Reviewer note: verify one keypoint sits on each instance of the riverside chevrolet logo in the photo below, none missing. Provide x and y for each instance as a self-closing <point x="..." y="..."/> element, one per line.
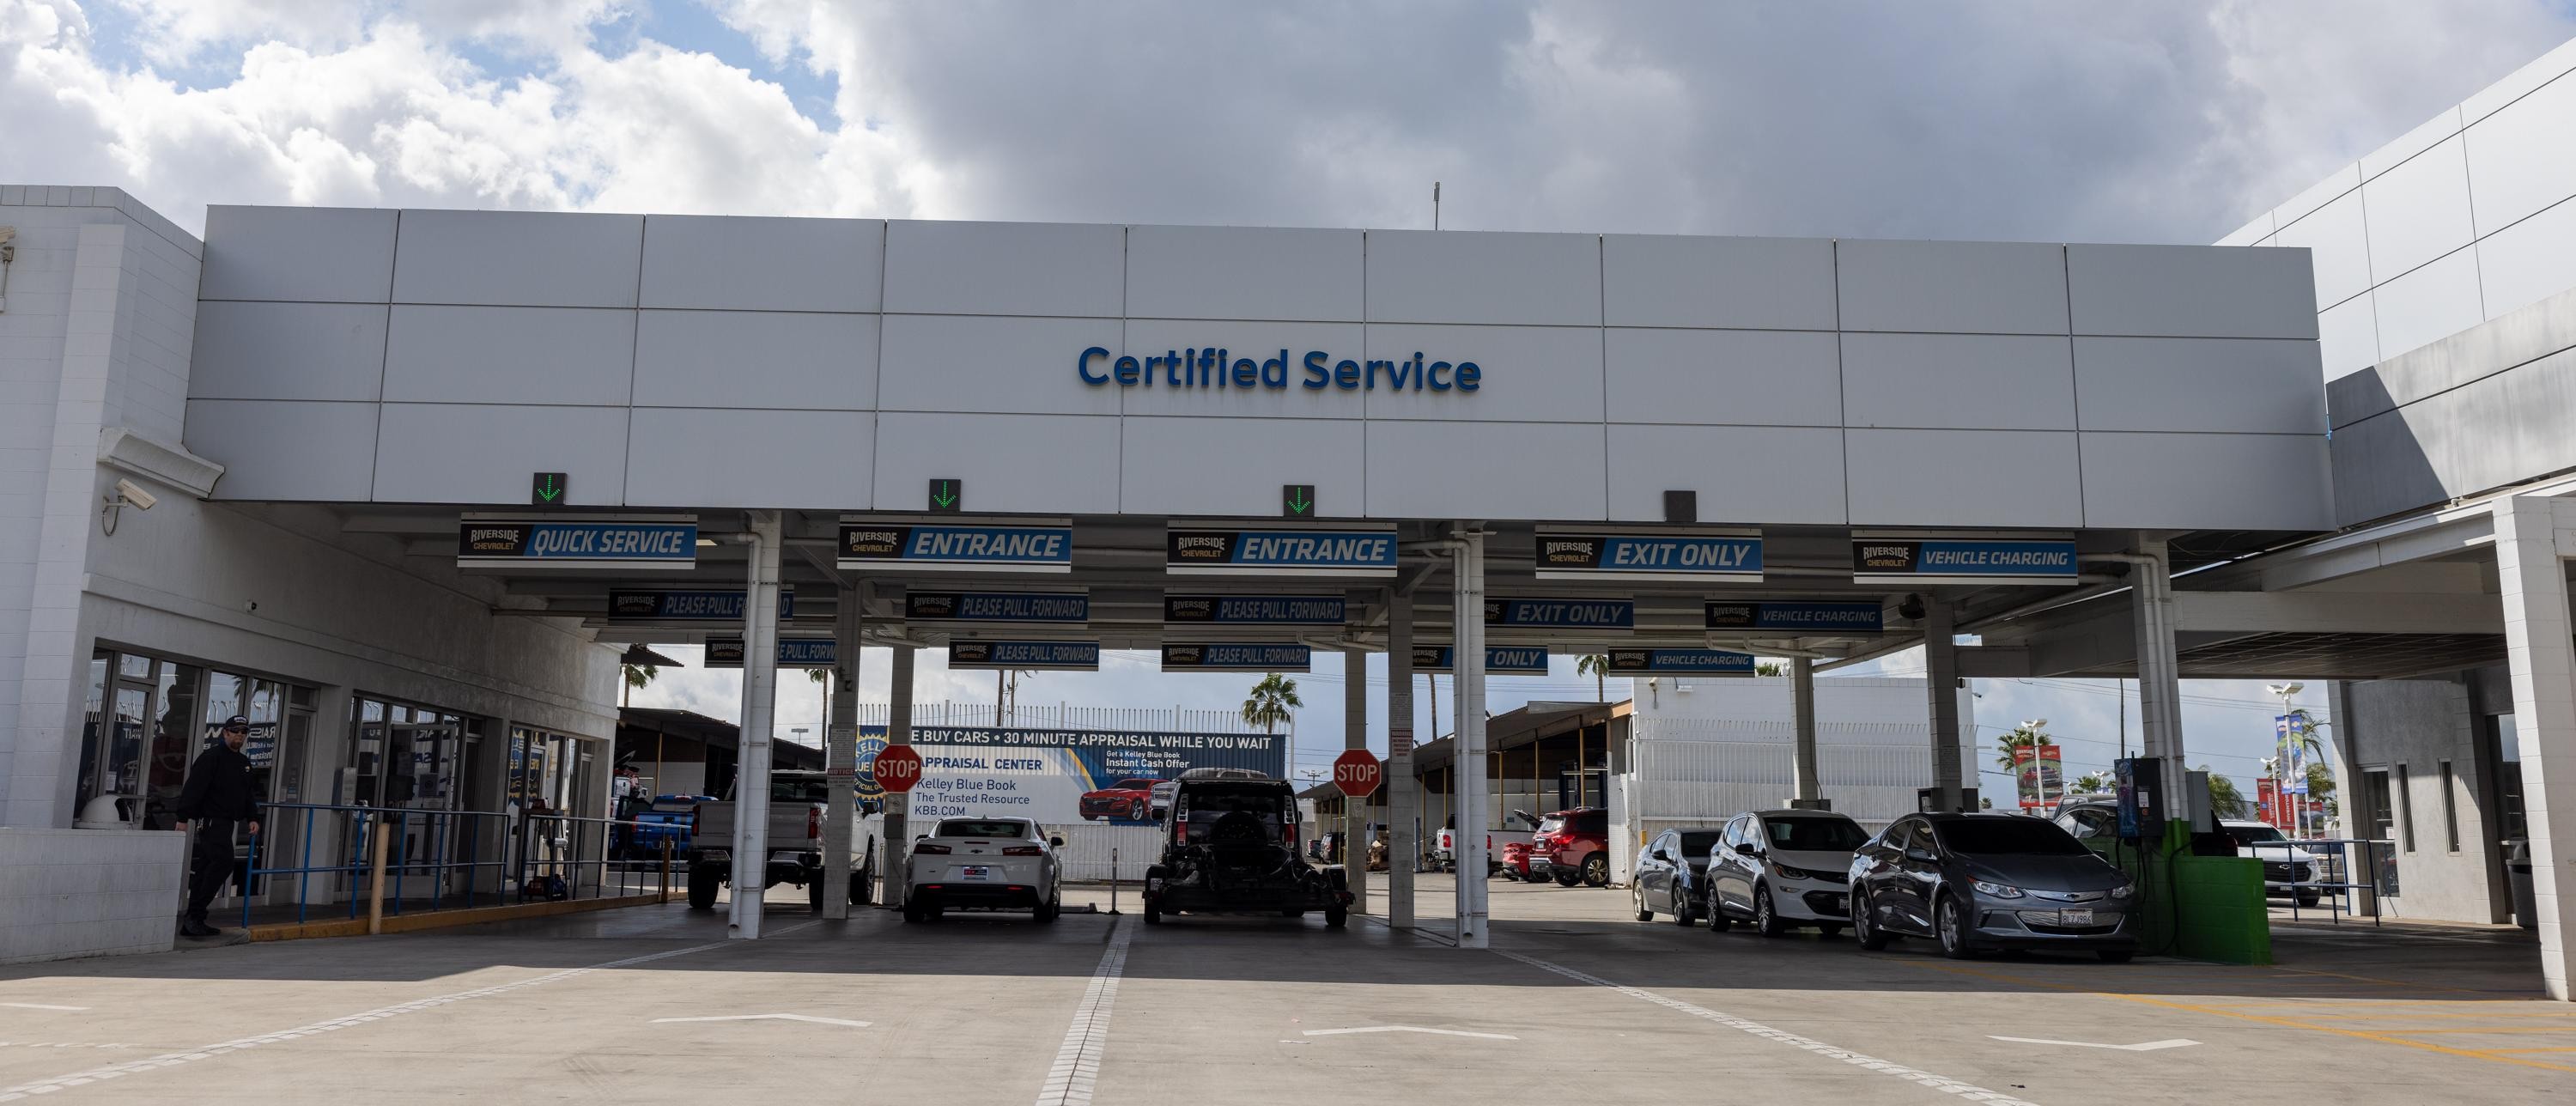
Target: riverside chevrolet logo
<point x="1218" y="369"/>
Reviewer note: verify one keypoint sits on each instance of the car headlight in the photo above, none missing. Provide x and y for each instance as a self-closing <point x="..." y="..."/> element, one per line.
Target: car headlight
<point x="1786" y="872"/>
<point x="2123" y="891"/>
<point x="1998" y="890"/>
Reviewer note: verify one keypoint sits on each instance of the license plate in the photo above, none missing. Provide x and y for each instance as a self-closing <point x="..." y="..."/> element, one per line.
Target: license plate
<point x="979" y="872"/>
<point x="2075" y="917"/>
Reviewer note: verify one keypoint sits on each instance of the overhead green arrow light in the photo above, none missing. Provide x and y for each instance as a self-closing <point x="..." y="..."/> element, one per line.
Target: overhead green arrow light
<point x="547" y="489"/>
<point x="948" y="496"/>
<point x="1297" y="500"/>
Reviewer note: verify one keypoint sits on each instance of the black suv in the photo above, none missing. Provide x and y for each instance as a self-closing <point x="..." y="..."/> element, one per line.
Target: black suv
<point x="1230" y="847"/>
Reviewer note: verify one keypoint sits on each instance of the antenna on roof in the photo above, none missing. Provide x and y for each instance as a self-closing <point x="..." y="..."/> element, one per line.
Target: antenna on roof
<point x="1435" y="205"/>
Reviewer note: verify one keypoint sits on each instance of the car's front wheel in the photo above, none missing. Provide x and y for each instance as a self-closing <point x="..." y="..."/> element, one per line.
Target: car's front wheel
<point x="1865" y="931"/>
<point x="1766" y="919"/>
<point x="1682" y="908"/>
<point x="1950" y="921"/>
<point x="1644" y="913"/>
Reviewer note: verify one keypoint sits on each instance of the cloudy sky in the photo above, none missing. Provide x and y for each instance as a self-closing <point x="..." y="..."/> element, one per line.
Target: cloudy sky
<point x="2170" y="121"/>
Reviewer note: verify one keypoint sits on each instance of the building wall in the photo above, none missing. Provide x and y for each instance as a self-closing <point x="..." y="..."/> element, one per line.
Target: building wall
<point x="68" y="893"/>
<point x="2471" y="413"/>
<point x="442" y="356"/>
<point x="2416" y="725"/>
<point x="2459" y="221"/>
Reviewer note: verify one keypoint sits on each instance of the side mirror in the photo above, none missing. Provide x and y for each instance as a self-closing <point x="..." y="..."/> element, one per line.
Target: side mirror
<point x="1058" y="842"/>
<point x="1661" y="855"/>
<point x="1744" y="847"/>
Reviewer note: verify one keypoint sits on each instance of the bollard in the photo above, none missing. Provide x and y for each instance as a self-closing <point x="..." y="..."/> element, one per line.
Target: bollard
<point x="1113" y="881"/>
<point x="666" y="869"/>
<point x="376" y="883"/>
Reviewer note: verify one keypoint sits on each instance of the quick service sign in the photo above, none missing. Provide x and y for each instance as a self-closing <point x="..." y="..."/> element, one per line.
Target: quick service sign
<point x="1680" y="662"/>
<point x="997" y="606"/>
<point x="1592" y="555"/>
<point x="1255" y="610"/>
<point x="1230" y="656"/>
<point x="1618" y="615"/>
<point x="1799" y="617"/>
<point x="1056" y="777"/>
<point x="1920" y="559"/>
<point x="688" y="606"/>
<point x="1512" y="660"/>
<point x="793" y="652"/>
<point x="1031" y="656"/>
<point x="909" y="546"/>
<point x="490" y="541"/>
<point x="1280" y="552"/>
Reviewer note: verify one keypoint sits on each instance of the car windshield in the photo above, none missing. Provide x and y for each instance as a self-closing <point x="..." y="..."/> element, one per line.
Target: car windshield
<point x="799" y="789"/>
<point x="1698" y="844"/>
<point x="1817" y="835"/>
<point x="1551" y="824"/>
<point x="1207" y="806"/>
<point x="2008" y="837"/>
<point x="2249" y="835"/>
<point x="973" y="827"/>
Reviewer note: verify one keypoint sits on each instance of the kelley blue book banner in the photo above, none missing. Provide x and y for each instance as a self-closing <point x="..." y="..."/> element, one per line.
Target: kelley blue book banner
<point x="1061" y="776"/>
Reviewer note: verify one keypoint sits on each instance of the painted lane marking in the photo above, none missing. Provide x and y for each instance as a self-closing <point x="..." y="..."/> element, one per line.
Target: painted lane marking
<point x="174" y="1059"/>
<point x="1968" y="1091"/>
<point x="1076" y="1071"/>
<point x="768" y="1017"/>
<point x="2151" y="1046"/>
<point x="41" y="1006"/>
<point x="61" y="1044"/>
<point x="1409" y="1029"/>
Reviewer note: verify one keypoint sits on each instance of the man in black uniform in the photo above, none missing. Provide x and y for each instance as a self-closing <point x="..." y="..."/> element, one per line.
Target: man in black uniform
<point x="216" y="796"/>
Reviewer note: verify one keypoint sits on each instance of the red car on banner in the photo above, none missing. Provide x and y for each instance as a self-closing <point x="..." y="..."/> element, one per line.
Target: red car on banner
<point x="1128" y="800"/>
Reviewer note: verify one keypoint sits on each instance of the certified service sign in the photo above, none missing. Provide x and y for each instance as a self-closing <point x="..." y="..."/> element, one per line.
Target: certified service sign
<point x="625" y="544"/>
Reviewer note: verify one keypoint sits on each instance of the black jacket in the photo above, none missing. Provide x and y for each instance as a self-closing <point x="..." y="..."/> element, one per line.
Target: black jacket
<point x="218" y="787"/>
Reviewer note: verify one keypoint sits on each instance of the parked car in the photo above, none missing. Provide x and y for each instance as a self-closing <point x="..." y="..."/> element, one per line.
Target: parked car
<point x="1158" y="799"/>
<point x="1230" y="847"/>
<point x="1129" y="799"/>
<point x="1518" y="826"/>
<point x="1669" y="873"/>
<point x="983" y="864"/>
<point x="2288" y="870"/>
<point x="1514" y="861"/>
<point x="1774" y="869"/>
<point x="1977" y="882"/>
<point x="650" y="822"/>
<point x="795" y="842"/>
<point x="1573" y="846"/>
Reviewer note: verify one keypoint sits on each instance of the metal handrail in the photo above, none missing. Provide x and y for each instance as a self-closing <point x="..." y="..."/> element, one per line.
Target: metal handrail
<point x="2377" y="857"/>
<point x="438" y="830"/>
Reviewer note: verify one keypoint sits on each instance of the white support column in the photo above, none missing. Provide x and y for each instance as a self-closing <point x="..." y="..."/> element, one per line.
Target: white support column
<point x="898" y="809"/>
<point x="2159" y="671"/>
<point x="1468" y="571"/>
<point x="1404" y="797"/>
<point x="759" y="701"/>
<point x="841" y="756"/>
<point x="2541" y="655"/>
<point x="1802" y="699"/>
<point x="1355" y="811"/>
<point x="1941" y="684"/>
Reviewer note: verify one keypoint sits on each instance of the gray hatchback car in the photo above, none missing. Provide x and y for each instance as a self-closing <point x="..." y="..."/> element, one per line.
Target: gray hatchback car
<point x="1979" y="882"/>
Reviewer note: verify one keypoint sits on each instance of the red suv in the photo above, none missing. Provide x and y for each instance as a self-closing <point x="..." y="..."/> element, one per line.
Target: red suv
<point x="1572" y="845"/>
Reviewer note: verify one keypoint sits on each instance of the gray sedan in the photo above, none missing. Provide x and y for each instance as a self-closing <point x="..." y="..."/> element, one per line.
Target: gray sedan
<point x="1978" y="882"/>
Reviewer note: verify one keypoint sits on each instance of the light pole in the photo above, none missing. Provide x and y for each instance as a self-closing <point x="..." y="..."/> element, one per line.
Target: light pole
<point x="2280" y="775"/>
<point x="2038" y="770"/>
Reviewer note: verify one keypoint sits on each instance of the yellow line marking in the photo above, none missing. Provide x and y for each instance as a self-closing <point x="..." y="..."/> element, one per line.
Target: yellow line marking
<point x="2264" y="1019"/>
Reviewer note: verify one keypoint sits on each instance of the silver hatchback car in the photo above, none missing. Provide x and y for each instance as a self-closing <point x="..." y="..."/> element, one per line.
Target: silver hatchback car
<point x="1978" y="882"/>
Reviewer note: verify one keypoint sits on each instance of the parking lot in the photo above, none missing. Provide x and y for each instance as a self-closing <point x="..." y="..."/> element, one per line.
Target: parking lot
<point x="650" y="1004"/>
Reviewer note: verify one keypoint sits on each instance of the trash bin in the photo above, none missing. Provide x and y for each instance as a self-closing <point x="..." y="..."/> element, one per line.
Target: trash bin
<point x="2517" y="875"/>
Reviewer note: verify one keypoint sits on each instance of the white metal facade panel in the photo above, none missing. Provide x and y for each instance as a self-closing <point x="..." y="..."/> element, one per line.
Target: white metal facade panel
<point x="2205" y="481"/>
<point x="2429" y="304"/>
<point x="483" y="453"/>
<point x="2419" y="210"/>
<point x="326" y="255"/>
<point x="2425" y="136"/>
<point x="1529" y="373"/>
<point x="2520" y="160"/>
<point x="1544" y="471"/>
<point x="989" y="364"/>
<point x="1244" y="273"/>
<point x="783" y="359"/>
<point x="1958" y="381"/>
<point x="1004" y="268"/>
<point x="2165" y="384"/>
<point x="1735" y="377"/>
<point x="510" y="355"/>
<point x="1421" y="276"/>
<point x="1028" y="464"/>
<point x="1963" y="478"/>
<point x="1754" y="283"/>
<point x="518" y="258"/>
<point x="762" y="264"/>
<point x="2520" y="265"/>
<point x="812" y="460"/>
<point x="2189" y="291"/>
<point x="2317" y="195"/>
<point x="1257" y="341"/>
<point x="316" y="451"/>
<point x="1236" y="466"/>
<point x="2348" y="335"/>
<point x="1953" y="287"/>
<point x="293" y="351"/>
<point x="1744" y="474"/>
<point x="2337" y="246"/>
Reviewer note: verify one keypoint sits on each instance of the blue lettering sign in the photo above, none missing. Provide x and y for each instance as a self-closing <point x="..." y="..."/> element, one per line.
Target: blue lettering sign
<point x="1980" y="560"/>
<point x="866" y="545"/>
<point x="1058" y="656"/>
<point x="1256" y="610"/>
<point x="1229" y="656"/>
<point x="1214" y="368"/>
<point x="1281" y="552"/>
<point x="1524" y="660"/>
<point x="1843" y="618"/>
<point x="1575" y="555"/>
<point x="1685" y="662"/>
<point x="1575" y="614"/>
<point x="484" y="542"/>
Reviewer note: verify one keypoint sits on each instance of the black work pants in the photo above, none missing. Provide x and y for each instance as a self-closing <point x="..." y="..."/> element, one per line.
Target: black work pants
<point x="210" y="863"/>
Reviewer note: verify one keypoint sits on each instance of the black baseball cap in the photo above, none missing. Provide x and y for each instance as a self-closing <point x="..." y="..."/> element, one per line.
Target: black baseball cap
<point x="237" y="722"/>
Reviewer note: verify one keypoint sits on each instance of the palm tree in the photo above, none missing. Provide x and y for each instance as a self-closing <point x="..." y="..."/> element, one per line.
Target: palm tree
<point x="1769" y="668"/>
<point x="1272" y="700"/>
<point x="1597" y="666"/>
<point x="638" y="676"/>
<point x="2092" y="783"/>
<point x="2224" y="799"/>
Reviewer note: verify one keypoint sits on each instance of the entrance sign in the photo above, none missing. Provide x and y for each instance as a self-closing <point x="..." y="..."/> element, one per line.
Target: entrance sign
<point x="1357" y="773"/>
<point x="1561" y="614"/>
<point x="1920" y="559"/>
<point x="1681" y="662"/>
<point x="1058" y="777"/>
<point x="793" y="652"/>
<point x="1213" y="550"/>
<point x="1509" y="660"/>
<point x="1034" y="656"/>
<point x="1594" y="554"/>
<point x="688" y="606"/>
<point x="1812" y="618"/>
<point x="897" y="768"/>
<point x="1000" y="547"/>
<point x="997" y="606"/>
<point x="1229" y="656"/>
<point x="501" y="541"/>
<point x="1256" y="610"/>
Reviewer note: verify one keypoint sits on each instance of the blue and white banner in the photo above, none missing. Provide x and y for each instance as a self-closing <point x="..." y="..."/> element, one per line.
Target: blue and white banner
<point x="997" y="606"/>
<point x="1256" y="610"/>
<point x="626" y="544"/>
<point x="2292" y="733"/>
<point x="1800" y="617"/>
<point x="1561" y="614"/>
<point x="1915" y="559"/>
<point x="1232" y="656"/>
<point x="1345" y="552"/>
<point x="688" y="606"/>
<point x="1680" y="662"/>
<point x="1593" y="554"/>
<point x="1034" y="656"/>
<point x="793" y="652"/>
<point x="904" y="546"/>
<point x="1510" y="660"/>
<point x="1056" y="777"/>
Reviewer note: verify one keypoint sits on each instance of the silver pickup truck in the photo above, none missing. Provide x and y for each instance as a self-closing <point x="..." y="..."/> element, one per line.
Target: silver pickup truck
<point x="796" y="805"/>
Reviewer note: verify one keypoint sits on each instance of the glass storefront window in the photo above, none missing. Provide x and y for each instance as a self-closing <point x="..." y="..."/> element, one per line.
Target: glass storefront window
<point x="93" y="734"/>
<point x="132" y="667"/>
<point x="147" y="718"/>
<point x="176" y="737"/>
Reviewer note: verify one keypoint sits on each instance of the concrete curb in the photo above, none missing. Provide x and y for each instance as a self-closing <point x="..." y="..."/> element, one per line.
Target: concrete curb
<point x="446" y="919"/>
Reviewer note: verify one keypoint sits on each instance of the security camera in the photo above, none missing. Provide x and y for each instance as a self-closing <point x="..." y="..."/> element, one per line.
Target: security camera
<point x="8" y="235"/>
<point x="133" y="495"/>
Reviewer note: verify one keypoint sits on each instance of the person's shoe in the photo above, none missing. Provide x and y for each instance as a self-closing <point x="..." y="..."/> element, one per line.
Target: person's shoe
<point x="194" y="928"/>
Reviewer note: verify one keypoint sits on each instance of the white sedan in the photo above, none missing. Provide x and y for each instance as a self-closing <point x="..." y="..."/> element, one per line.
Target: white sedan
<point x="983" y="864"/>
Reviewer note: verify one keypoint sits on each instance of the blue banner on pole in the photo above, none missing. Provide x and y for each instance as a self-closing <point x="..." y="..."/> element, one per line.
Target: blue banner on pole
<point x="1060" y="776"/>
<point x="1813" y="618"/>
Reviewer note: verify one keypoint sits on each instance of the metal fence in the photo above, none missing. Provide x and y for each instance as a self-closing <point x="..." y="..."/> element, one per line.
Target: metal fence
<point x="398" y="860"/>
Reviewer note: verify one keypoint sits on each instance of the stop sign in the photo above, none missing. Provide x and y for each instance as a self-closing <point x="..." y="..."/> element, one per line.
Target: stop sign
<point x="1356" y="773"/>
<point x="898" y="768"/>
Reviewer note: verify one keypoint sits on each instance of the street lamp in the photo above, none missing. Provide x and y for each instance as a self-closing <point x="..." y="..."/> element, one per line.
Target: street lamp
<point x="2038" y="771"/>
